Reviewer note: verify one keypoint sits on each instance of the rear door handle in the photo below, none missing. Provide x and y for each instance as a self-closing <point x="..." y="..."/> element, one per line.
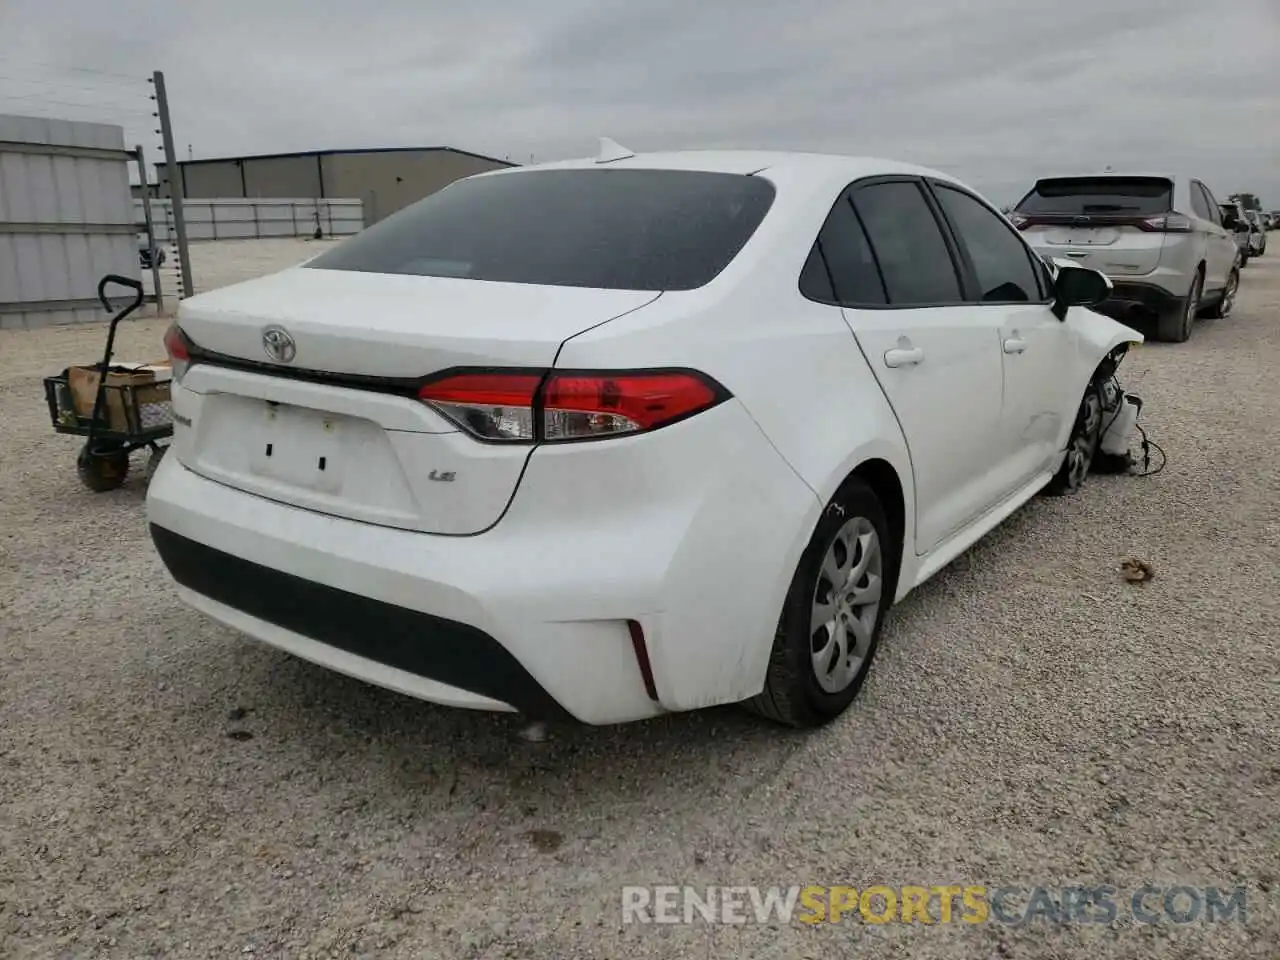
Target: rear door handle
<point x="903" y="356"/>
<point x="1015" y="345"/>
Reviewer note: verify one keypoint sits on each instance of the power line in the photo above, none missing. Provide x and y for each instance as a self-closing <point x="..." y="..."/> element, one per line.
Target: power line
<point x="88" y="70"/>
<point x="109" y="107"/>
<point x="117" y="104"/>
<point x="113" y="87"/>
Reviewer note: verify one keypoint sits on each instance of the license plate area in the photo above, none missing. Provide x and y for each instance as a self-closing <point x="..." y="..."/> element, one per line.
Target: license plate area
<point x="300" y="447"/>
<point x="1084" y="236"/>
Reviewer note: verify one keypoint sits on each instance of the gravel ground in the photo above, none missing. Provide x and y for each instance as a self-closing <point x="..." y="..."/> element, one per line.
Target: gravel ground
<point x="168" y="788"/>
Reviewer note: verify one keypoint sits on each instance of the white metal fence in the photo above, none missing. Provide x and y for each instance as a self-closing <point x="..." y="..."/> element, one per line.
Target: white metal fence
<point x="249" y="219"/>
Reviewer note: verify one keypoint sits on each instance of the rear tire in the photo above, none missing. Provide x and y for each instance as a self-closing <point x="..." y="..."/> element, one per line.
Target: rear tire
<point x="830" y="623"/>
<point x="1223" y="307"/>
<point x="1176" y="327"/>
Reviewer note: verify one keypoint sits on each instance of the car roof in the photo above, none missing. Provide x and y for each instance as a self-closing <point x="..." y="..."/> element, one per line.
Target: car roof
<point x="820" y="165"/>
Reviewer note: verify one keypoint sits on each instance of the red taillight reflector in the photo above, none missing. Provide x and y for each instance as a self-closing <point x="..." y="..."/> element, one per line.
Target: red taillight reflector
<point x="520" y="406"/>
<point x="493" y="406"/>
<point x="176" y="344"/>
<point x="178" y="347"/>
<point x="621" y="403"/>
<point x="484" y="389"/>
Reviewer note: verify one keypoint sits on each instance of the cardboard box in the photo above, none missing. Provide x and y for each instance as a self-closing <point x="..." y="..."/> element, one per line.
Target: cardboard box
<point x="150" y="392"/>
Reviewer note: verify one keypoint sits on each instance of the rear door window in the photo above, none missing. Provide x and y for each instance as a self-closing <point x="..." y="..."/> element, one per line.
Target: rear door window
<point x="612" y="229"/>
<point x="908" y="245"/>
<point x="1100" y="196"/>
<point x="841" y="267"/>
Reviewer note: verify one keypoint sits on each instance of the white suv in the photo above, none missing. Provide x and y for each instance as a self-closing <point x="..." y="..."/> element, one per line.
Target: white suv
<point x="1159" y="238"/>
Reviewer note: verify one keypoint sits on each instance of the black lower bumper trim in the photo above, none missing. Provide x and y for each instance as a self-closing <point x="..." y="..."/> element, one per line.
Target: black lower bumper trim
<point x="443" y="650"/>
<point x="1144" y="297"/>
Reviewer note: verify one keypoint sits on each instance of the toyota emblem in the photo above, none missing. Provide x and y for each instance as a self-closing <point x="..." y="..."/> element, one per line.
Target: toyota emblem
<point x="279" y="345"/>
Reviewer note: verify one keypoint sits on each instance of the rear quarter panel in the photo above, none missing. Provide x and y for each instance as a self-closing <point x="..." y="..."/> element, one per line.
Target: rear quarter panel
<point x="793" y="364"/>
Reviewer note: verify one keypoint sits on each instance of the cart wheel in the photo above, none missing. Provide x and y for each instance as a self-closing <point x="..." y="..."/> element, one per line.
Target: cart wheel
<point x="153" y="461"/>
<point x="104" y="471"/>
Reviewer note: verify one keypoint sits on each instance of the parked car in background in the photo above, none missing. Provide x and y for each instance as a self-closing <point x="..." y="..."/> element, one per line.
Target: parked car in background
<point x="1257" y="233"/>
<point x="1159" y="238"/>
<point x="605" y="439"/>
<point x="147" y="254"/>
<point x="1275" y="220"/>
<point x="1233" y="219"/>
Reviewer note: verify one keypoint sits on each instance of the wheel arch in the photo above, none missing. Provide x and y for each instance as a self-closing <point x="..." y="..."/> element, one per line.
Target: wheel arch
<point x="884" y="481"/>
<point x="888" y="475"/>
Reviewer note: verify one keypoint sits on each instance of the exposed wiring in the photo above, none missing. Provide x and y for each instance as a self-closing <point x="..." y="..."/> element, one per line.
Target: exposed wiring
<point x="1119" y="405"/>
<point x="1147" y="446"/>
<point x="1145" y="470"/>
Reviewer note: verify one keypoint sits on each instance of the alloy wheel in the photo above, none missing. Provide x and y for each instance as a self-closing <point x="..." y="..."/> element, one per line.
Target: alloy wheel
<point x="1084" y="439"/>
<point x="846" y="604"/>
<point x="1229" y="295"/>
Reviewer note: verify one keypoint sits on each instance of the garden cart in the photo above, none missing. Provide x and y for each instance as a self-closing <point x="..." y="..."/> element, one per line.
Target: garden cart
<point x="117" y="409"/>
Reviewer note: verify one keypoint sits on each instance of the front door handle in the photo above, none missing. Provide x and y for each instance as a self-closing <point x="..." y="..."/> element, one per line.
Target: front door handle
<point x="1015" y="345"/>
<point x="903" y="356"/>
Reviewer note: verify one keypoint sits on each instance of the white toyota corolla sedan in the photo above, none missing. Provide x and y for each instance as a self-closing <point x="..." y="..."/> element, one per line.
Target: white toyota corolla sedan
<point x="609" y="438"/>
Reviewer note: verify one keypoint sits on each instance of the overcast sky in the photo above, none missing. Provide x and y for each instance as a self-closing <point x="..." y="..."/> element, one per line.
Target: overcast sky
<point x="993" y="91"/>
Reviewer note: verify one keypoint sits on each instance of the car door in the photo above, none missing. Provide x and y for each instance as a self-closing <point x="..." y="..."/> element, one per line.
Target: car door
<point x="1011" y="293"/>
<point x="936" y="359"/>
<point x="1220" y="245"/>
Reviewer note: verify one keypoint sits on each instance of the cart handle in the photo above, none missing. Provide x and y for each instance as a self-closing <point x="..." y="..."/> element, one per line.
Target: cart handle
<point x="134" y="285"/>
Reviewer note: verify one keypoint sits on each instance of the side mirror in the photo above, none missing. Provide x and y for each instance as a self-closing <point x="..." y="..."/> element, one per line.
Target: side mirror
<point x="1077" y="286"/>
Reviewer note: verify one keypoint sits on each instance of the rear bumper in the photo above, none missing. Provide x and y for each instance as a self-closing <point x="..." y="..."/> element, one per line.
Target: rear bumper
<point x="693" y="533"/>
<point x="1144" y="298"/>
<point x="462" y="664"/>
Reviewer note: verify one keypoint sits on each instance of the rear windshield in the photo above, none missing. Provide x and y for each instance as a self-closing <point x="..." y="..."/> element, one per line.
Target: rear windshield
<point x="612" y="229"/>
<point x="1088" y="196"/>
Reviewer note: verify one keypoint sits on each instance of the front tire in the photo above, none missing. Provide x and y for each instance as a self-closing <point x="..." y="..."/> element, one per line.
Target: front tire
<point x="1082" y="445"/>
<point x="830" y="623"/>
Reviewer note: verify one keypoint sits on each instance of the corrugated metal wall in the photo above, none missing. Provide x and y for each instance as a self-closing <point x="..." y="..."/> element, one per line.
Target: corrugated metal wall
<point x="66" y="219"/>
<point x="389" y="181"/>
<point x="385" y="180"/>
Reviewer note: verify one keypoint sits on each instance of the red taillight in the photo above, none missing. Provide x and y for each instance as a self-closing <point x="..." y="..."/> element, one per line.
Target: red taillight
<point x="520" y="406"/>
<point x="176" y="344"/>
<point x="178" y="347"/>
<point x="1165" y="223"/>
<point x="580" y="405"/>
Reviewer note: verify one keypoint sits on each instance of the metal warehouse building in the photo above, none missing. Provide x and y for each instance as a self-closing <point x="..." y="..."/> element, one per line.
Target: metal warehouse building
<point x="385" y="179"/>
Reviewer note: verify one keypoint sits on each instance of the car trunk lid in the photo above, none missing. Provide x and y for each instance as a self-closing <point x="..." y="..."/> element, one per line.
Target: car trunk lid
<point x="338" y="428"/>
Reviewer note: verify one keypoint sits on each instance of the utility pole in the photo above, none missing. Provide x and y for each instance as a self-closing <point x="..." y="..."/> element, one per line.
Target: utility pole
<point x="170" y="169"/>
<point x="151" y="229"/>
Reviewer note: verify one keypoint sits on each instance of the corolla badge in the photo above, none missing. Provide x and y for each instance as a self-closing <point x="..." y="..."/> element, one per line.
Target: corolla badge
<point x="278" y="344"/>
